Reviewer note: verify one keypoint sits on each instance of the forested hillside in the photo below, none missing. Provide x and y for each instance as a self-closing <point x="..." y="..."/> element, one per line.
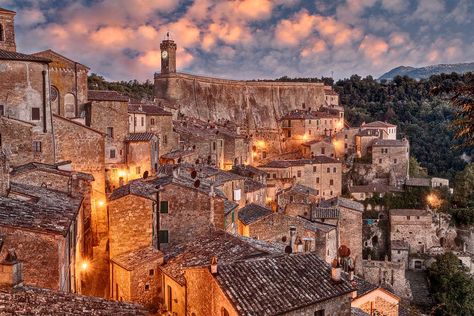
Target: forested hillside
<point x="421" y="116"/>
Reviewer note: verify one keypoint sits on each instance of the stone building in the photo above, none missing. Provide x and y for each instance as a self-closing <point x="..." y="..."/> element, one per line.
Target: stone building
<point x="347" y="216"/>
<point x="142" y="155"/>
<point x="319" y="147"/>
<point x="387" y="274"/>
<point x="25" y="96"/>
<point x="413" y="227"/>
<point x="134" y="277"/>
<point x="384" y="129"/>
<point x="300" y="126"/>
<point x="255" y="192"/>
<point x="330" y="96"/>
<point x="179" y="156"/>
<point x="150" y="118"/>
<point x="16" y="139"/>
<point x="324" y="174"/>
<point x="391" y="155"/>
<point x="53" y="246"/>
<point x="363" y="140"/>
<point x="297" y="195"/>
<point x="375" y="299"/>
<point x="399" y="251"/>
<point x="68" y="84"/>
<point x="287" y="285"/>
<point x="363" y="192"/>
<point x="7" y="30"/>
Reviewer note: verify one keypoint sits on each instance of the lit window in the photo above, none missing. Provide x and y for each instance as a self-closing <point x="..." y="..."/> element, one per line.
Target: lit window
<point x="138" y="170"/>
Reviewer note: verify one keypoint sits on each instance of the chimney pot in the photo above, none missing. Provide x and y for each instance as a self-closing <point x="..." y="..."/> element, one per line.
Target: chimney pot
<point x="214" y="265"/>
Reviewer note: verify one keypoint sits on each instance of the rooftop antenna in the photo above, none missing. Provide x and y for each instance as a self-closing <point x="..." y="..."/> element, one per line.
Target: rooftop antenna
<point x="168" y="35"/>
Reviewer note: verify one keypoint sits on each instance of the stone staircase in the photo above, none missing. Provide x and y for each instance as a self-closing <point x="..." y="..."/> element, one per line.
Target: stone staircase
<point x="419" y="289"/>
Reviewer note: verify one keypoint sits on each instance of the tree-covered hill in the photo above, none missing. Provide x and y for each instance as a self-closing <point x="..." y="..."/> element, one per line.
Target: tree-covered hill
<point x="421" y="116"/>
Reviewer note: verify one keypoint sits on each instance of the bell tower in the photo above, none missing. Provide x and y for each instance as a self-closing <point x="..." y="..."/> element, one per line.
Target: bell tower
<point x="168" y="55"/>
<point x="7" y="30"/>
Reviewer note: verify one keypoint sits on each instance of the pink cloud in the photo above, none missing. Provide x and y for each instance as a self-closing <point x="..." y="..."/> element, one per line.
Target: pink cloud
<point x="373" y="47"/>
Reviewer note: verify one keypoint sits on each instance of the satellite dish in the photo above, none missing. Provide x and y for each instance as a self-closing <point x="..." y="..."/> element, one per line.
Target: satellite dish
<point x="197" y="183"/>
<point x="344" y="251"/>
<point x="193" y="174"/>
<point x="145" y="174"/>
<point x="288" y="249"/>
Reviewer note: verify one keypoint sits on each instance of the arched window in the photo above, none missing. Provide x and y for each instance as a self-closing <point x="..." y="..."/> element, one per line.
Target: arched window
<point x="2" y="33"/>
<point x="69" y="105"/>
<point x="54" y="96"/>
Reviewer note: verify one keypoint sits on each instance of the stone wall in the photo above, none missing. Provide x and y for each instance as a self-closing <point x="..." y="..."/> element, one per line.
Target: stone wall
<point x="119" y="283"/>
<point x="350" y="234"/>
<point x="417" y="231"/>
<point x="142" y="157"/>
<point x="164" y="128"/>
<point x="193" y="208"/>
<point x="39" y="253"/>
<point x="391" y="273"/>
<point x="7" y="20"/>
<point x="17" y="140"/>
<point x="395" y="159"/>
<point x="337" y="306"/>
<point x="84" y="147"/>
<point x="146" y="288"/>
<point x="255" y="104"/>
<point x="130" y="224"/>
<point x="376" y="237"/>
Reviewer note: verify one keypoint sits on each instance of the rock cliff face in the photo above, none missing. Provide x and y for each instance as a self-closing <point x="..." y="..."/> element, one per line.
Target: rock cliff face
<point x="247" y="103"/>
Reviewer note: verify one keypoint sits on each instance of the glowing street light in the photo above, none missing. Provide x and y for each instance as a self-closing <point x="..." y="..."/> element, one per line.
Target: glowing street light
<point x="84" y="266"/>
<point x="101" y="203"/>
<point x="433" y="200"/>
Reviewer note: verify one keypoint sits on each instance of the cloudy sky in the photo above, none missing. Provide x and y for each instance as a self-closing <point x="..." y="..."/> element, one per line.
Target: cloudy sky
<point x="247" y="39"/>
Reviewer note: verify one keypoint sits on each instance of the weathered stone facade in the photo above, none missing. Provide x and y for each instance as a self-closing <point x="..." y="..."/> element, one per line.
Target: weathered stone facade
<point x="142" y="157"/>
<point x="7" y="30"/>
<point x="387" y="272"/>
<point x="68" y="84"/>
<point x="16" y="139"/>
<point x="391" y="156"/>
<point x="415" y="228"/>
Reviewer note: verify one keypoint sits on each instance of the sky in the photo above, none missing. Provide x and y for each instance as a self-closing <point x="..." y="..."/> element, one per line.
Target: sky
<point x="249" y="39"/>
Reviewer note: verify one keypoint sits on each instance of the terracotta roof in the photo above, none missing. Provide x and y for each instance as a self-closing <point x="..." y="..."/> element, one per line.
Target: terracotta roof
<point x="343" y="202"/>
<point x="139" y="137"/>
<point x="133" y="259"/>
<point x="199" y="252"/>
<point x="147" y="109"/>
<point x="184" y="180"/>
<point x="363" y="287"/>
<point x="307" y="115"/>
<point x="49" y="168"/>
<point x="2" y="10"/>
<point x="229" y="206"/>
<point x="7" y="55"/>
<point x="27" y="300"/>
<point x="374" y="187"/>
<point x="178" y="154"/>
<point x="279" y="284"/>
<point x="324" y="213"/>
<point x="252" y="213"/>
<point x="301" y="189"/>
<point x="31" y="216"/>
<point x="378" y="124"/>
<point x="409" y="212"/>
<point x="78" y="124"/>
<point x="418" y="182"/>
<point x="251" y="185"/>
<point x="248" y="171"/>
<point x="224" y="176"/>
<point x="106" y="95"/>
<point x="369" y="132"/>
<point x="299" y="162"/>
<point x="389" y="143"/>
<point x="137" y="187"/>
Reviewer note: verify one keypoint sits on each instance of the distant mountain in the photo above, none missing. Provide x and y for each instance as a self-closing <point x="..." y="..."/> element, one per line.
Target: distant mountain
<point x="426" y="72"/>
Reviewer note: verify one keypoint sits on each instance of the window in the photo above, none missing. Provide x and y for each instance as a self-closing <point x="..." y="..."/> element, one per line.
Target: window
<point x="380" y="160"/>
<point x="112" y="153"/>
<point x="143" y="121"/>
<point x="214" y="146"/>
<point x="291" y="198"/>
<point x="323" y="151"/>
<point x="289" y="134"/>
<point x="147" y="287"/>
<point x="35" y="114"/>
<point x="299" y="173"/>
<point x="328" y="170"/>
<point x="274" y="176"/>
<point x="110" y="132"/>
<point x="152" y="121"/>
<point x="331" y="182"/>
<point x="2" y="109"/>
<point x="345" y="145"/>
<point x="345" y="136"/>
<point x="2" y="36"/>
<point x="314" y="168"/>
<point x="134" y="121"/>
<point x="408" y="217"/>
<point x="138" y="170"/>
<point x="165" y="139"/>
<point x="317" y="180"/>
<point x="37" y="146"/>
<point x="151" y="272"/>
<point x="170" y="298"/>
<point x="334" y="169"/>
<point x="164" y="207"/>
<point x="394" y="160"/>
<point x="319" y="313"/>
<point x="163" y="237"/>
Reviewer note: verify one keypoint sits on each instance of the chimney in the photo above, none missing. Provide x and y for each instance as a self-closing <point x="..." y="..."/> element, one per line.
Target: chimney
<point x="214" y="265"/>
<point x="299" y="245"/>
<point x="292" y="238"/>
<point x="10" y="269"/>
<point x="4" y="173"/>
<point x="336" y="270"/>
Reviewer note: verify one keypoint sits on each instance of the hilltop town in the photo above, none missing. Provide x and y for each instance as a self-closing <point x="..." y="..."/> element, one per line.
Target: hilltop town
<point x="219" y="197"/>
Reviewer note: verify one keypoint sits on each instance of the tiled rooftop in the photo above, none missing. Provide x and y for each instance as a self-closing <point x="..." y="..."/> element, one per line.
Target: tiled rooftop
<point x="134" y="259"/>
<point x="251" y="185"/>
<point x="409" y="212"/>
<point x="148" y="109"/>
<point x="137" y="187"/>
<point x="26" y="300"/>
<point x="199" y="252"/>
<point x="106" y="95"/>
<point x="8" y="55"/>
<point x="378" y="124"/>
<point x="178" y="154"/>
<point x="374" y="187"/>
<point x="299" y="162"/>
<point x="49" y="168"/>
<point x="139" y="137"/>
<point x="229" y="206"/>
<point x="324" y="213"/>
<point x="252" y="213"/>
<point x="278" y="284"/>
<point x="342" y="202"/>
<point x="389" y="143"/>
<point x="248" y="171"/>
<point x="418" y="182"/>
<point x="301" y="189"/>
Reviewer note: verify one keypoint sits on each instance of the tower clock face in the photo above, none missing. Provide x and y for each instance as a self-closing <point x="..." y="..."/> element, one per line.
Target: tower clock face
<point x="164" y="54"/>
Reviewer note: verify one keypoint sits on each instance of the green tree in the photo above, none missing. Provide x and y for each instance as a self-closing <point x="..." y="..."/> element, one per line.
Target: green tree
<point x="464" y="187"/>
<point x="451" y="286"/>
<point x="416" y="170"/>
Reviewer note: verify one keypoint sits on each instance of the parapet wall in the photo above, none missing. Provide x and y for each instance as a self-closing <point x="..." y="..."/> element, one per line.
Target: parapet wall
<point x="255" y="104"/>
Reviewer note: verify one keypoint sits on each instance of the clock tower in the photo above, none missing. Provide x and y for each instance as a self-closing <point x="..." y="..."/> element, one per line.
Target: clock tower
<point x="168" y="55"/>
